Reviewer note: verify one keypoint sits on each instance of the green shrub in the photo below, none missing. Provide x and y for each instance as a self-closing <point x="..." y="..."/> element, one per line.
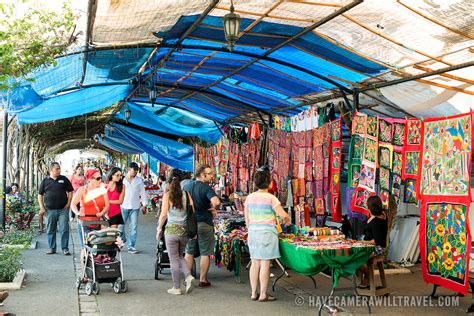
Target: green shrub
<point x="10" y="263"/>
<point x="18" y="237"/>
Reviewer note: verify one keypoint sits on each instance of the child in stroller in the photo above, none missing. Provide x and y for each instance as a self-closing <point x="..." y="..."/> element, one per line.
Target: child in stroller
<point x="102" y="261"/>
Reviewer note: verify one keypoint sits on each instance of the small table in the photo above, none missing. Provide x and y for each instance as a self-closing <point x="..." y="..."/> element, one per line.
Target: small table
<point x="342" y="262"/>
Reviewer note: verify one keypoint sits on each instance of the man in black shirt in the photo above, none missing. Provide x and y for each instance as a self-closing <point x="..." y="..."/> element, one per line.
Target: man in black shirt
<point x="205" y="204"/>
<point x="54" y="198"/>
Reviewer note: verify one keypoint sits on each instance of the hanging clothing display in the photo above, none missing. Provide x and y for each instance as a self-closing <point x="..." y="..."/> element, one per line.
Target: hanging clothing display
<point x="279" y="148"/>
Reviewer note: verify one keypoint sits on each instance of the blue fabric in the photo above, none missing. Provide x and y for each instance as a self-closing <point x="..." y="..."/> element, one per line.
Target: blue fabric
<point x="132" y="229"/>
<point x="172" y="121"/>
<point x="53" y="218"/>
<point x="170" y="152"/>
<point x="74" y="103"/>
<point x="115" y="145"/>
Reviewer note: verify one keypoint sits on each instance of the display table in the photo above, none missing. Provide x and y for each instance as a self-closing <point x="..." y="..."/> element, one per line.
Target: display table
<point x="306" y="261"/>
<point x="341" y="259"/>
<point x="231" y="241"/>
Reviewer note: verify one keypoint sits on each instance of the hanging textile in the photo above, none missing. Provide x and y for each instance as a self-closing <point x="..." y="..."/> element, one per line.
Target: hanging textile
<point x="336" y="151"/>
<point x="445" y="163"/>
<point x="279" y="145"/>
<point x="444" y="239"/>
<point x="444" y="189"/>
<point x="398" y="141"/>
<point x="409" y="195"/>
<point x="411" y="154"/>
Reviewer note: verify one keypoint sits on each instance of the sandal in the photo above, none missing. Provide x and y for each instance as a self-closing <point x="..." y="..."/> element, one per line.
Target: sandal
<point x="269" y="298"/>
<point x="254" y="298"/>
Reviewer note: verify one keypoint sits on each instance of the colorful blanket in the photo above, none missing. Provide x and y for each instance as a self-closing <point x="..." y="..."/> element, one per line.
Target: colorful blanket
<point x="336" y="150"/>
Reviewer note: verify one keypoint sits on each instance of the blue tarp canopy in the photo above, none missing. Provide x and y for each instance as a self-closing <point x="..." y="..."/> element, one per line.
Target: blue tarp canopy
<point x="171" y="121"/>
<point x="153" y="162"/>
<point x="170" y="152"/>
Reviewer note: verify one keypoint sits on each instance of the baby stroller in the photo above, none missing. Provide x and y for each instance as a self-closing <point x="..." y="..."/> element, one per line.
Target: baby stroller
<point x="163" y="260"/>
<point x="103" y="260"/>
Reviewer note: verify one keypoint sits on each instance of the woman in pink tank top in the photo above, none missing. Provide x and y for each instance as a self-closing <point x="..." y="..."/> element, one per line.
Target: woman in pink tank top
<point x="116" y="194"/>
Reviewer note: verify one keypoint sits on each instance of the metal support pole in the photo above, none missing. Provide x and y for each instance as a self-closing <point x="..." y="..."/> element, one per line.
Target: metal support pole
<point x="355" y="102"/>
<point x="17" y="176"/>
<point x="4" y="167"/>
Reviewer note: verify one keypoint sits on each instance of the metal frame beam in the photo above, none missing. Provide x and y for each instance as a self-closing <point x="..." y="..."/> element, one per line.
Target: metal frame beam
<point x="275" y="48"/>
<point x="416" y="77"/>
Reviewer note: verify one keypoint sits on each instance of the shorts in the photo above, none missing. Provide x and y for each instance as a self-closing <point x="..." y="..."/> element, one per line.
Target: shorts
<point x="204" y="243"/>
<point x="263" y="244"/>
<point x="116" y="220"/>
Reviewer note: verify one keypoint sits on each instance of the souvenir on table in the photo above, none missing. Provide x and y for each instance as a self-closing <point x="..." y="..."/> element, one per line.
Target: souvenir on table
<point x="372" y="126"/>
<point x="367" y="177"/>
<point x="445" y="161"/>
<point x="385" y="156"/>
<point x="444" y="242"/>
<point x="409" y="195"/>
<point x="359" y="124"/>
<point x="359" y="201"/>
<point x="385" y="131"/>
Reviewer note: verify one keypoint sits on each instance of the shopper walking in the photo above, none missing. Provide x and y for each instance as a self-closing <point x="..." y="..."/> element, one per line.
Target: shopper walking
<point x="174" y="209"/>
<point x="77" y="180"/>
<point x="116" y="194"/>
<point x="205" y="204"/>
<point x="134" y="202"/>
<point x="261" y="210"/>
<point x="54" y="199"/>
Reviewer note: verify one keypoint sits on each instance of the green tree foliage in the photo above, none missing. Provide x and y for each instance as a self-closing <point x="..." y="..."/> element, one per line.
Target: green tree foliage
<point x="30" y="37"/>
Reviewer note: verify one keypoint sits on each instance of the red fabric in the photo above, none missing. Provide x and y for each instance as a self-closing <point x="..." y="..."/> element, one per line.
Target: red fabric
<point x="438" y="279"/>
<point x="335" y="170"/>
<point x="90" y="173"/>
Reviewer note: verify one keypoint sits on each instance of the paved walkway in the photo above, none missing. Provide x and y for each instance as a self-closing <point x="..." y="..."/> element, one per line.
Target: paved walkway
<point x="49" y="289"/>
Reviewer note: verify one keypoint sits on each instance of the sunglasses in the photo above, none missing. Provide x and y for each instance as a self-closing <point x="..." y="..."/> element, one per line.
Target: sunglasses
<point x="98" y="179"/>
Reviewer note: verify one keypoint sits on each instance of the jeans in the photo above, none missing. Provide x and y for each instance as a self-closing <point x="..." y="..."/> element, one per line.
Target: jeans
<point x="175" y="245"/>
<point x="52" y="219"/>
<point x="132" y="229"/>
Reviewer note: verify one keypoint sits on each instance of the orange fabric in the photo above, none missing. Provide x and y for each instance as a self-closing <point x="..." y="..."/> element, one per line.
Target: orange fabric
<point x="90" y="208"/>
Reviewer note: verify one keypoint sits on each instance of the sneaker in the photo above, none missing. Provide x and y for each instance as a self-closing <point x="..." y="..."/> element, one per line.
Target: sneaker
<point x="175" y="291"/>
<point x="132" y="250"/>
<point x="189" y="283"/>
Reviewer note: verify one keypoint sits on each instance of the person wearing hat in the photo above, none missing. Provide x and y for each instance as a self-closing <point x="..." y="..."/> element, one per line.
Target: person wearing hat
<point x="134" y="201"/>
<point x="54" y="199"/>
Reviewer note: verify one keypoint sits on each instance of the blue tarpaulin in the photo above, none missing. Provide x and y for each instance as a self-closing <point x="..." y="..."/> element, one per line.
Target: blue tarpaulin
<point x="153" y="162"/>
<point x="171" y="121"/>
<point x="170" y="152"/>
<point x="74" y="103"/>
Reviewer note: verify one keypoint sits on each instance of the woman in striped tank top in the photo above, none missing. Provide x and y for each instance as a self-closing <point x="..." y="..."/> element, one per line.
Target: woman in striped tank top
<point x="261" y="210"/>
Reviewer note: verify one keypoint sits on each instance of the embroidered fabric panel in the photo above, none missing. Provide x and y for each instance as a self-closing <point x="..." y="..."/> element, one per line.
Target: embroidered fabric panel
<point x="444" y="241"/>
<point x="335" y="166"/>
<point x="359" y="200"/>
<point x="445" y="162"/>
<point x="411" y="155"/>
<point x="409" y="194"/>
<point x="279" y="147"/>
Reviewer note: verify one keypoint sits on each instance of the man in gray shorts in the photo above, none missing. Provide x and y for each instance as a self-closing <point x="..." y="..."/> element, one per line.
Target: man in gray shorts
<point x="205" y="204"/>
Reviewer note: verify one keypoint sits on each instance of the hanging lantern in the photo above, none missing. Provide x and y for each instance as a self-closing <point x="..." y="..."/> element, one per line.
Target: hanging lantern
<point x="152" y="95"/>
<point x="231" y="27"/>
<point x="128" y="114"/>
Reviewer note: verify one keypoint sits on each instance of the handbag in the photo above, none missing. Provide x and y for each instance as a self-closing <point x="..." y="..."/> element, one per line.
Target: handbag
<point x="191" y="225"/>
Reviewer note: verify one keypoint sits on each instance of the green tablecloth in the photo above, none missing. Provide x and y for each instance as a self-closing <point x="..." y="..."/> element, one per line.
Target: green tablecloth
<point x="307" y="261"/>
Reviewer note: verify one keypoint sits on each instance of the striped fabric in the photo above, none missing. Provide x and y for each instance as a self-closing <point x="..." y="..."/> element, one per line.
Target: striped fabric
<point x="261" y="209"/>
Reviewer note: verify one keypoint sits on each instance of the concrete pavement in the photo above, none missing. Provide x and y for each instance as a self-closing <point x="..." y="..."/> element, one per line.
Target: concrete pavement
<point x="49" y="289"/>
